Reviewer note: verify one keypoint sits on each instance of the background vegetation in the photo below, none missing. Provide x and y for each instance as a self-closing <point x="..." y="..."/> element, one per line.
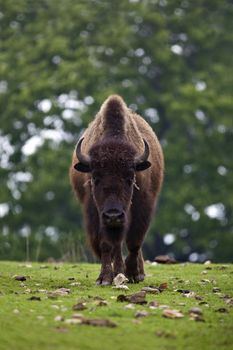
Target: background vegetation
<point x="171" y="60"/>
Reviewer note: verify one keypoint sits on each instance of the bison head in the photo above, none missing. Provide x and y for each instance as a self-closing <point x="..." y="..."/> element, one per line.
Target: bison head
<point x="112" y="166"/>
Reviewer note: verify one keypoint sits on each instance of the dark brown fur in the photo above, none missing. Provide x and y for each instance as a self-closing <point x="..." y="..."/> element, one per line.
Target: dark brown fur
<point x="112" y="141"/>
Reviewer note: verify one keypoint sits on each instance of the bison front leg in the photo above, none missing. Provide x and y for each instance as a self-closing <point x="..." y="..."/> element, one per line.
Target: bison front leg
<point x="136" y="234"/>
<point x="106" y="274"/>
<point x="134" y="265"/>
<point x="118" y="263"/>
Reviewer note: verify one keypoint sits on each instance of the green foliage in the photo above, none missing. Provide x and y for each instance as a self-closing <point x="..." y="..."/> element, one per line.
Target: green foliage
<point x="170" y="60"/>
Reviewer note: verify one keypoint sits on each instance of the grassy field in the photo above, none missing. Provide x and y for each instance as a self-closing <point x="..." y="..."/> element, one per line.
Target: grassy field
<point x="34" y="315"/>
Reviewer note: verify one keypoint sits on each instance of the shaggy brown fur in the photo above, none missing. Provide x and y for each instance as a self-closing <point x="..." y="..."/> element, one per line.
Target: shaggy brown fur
<point x="118" y="197"/>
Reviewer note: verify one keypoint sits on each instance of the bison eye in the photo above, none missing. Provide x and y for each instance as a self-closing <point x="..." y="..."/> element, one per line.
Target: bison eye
<point x="96" y="180"/>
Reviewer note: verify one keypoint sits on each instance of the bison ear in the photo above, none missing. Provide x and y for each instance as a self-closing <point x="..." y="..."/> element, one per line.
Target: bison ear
<point x="83" y="168"/>
<point x="142" y="166"/>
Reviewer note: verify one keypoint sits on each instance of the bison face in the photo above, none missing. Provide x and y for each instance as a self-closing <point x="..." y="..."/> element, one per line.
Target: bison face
<point x="112" y="193"/>
<point x="113" y="166"/>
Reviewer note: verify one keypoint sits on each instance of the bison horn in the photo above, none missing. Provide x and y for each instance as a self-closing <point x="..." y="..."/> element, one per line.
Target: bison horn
<point x="81" y="157"/>
<point x="144" y="156"/>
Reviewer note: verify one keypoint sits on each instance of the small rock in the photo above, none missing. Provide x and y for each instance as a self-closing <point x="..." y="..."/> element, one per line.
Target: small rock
<point x="121" y="286"/>
<point x="141" y="313"/>
<point x="228" y="301"/>
<point x="75" y="284"/>
<point x="164" y="259"/>
<point x="99" y="323"/>
<point x="216" y="290"/>
<point x="59" y="318"/>
<point x="169" y="313"/>
<point x="73" y="321"/>
<point x="183" y="291"/>
<point x="52" y="295"/>
<point x="16" y="311"/>
<point x="62" y="291"/>
<point x="79" y="306"/>
<point x="20" y="278"/>
<point x="195" y="310"/>
<point x="151" y="290"/>
<point x="120" y="279"/>
<point x="207" y="262"/>
<point x="33" y="297"/>
<point x="196" y="317"/>
<point x="203" y="303"/>
<point x="129" y="306"/>
<point x="137" y="298"/>
<point x="153" y="305"/>
<point x="191" y="295"/>
<point x="205" y="281"/>
<point x="222" y="310"/>
<point x="102" y="303"/>
<point x="122" y="298"/>
<point x="164" y="286"/>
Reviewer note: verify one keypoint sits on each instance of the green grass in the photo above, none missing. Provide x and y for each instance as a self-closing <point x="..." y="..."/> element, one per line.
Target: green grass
<point x="33" y="325"/>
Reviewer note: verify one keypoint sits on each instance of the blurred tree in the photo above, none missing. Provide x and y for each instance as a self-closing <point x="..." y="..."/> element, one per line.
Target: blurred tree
<point x="171" y="61"/>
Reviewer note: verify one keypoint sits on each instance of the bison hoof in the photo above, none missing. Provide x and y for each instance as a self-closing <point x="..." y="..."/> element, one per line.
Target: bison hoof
<point x="135" y="278"/>
<point x="101" y="281"/>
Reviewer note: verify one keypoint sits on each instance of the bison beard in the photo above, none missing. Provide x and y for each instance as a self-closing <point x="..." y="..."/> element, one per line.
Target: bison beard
<point x="117" y="172"/>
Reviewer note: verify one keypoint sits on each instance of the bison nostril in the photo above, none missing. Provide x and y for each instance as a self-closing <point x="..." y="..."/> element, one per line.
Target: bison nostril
<point x="120" y="216"/>
<point x="113" y="216"/>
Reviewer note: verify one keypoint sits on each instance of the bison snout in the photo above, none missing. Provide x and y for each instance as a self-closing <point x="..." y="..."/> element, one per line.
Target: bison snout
<point x="113" y="218"/>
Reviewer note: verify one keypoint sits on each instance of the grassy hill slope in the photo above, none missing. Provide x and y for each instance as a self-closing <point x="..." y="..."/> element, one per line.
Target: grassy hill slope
<point x="37" y="314"/>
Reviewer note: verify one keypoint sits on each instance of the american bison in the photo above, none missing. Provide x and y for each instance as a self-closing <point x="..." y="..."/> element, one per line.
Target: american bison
<point x="117" y="173"/>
